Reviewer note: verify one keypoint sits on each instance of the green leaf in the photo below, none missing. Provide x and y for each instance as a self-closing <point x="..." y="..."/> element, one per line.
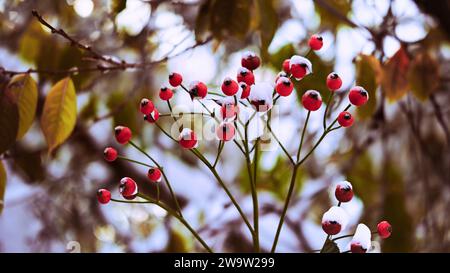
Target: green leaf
<point x="368" y="71"/>
<point x="59" y="113"/>
<point x="330" y="247"/>
<point x="9" y="119"/>
<point x="2" y="186"/>
<point x="394" y="79"/>
<point x="423" y="75"/>
<point x="268" y="24"/>
<point x="25" y="91"/>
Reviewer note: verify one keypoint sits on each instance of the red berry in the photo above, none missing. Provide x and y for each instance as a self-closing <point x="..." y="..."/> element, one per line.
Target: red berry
<point x="311" y="100"/>
<point x="245" y="75"/>
<point x="175" y="79"/>
<point x="225" y="131"/>
<point x="334" y="82"/>
<point x="345" y="119"/>
<point x="146" y="106"/>
<point x="154" y="174"/>
<point x="358" y="96"/>
<point x="188" y="139"/>
<point x="229" y="87"/>
<point x="123" y="134"/>
<point x="344" y="191"/>
<point x="250" y="60"/>
<point x="357" y="248"/>
<point x="245" y="90"/>
<point x="229" y="111"/>
<point x="103" y="196"/>
<point x="165" y="93"/>
<point x="198" y="89"/>
<point x="128" y="188"/>
<point x="331" y="227"/>
<point x="286" y="66"/>
<point x="384" y="229"/>
<point x="300" y="66"/>
<point x="153" y="117"/>
<point x="284" y="86"/>
<point x="315" y="42"/>
<point x="110" y="154"/>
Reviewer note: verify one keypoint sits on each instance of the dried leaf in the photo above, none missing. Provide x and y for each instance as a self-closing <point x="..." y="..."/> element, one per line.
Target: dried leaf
<point x="423" y="75"/>
<point x="394" y="78"/>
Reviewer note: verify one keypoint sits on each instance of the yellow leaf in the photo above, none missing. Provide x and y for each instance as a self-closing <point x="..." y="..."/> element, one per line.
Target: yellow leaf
<point x="368" y="70"/>
<point x="24" y="89"/>
<point x="394" y="78"/>
<point x="2" y="186"/>
<point x="423" y="75"/>
<point x="59" y="113"/>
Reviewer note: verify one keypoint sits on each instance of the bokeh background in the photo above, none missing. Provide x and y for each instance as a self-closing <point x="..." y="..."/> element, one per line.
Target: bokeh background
<point x="396" y="155"/>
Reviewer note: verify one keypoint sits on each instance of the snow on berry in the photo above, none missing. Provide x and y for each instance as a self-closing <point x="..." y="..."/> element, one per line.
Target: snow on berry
<point x="188" y="139"/>
<point x="146" y="106"/>
<point x="334" y="220"/>
<point x="229" y="111"/>
<point x="344" y="191"/>
<point x="198" y="89"/>
<point x="250" y="60"/>
<point x="128" y="188"/>
<point x="384" y="229"/>
<point x="245" y="75"/>
<point x="311" y="100"/>
<point x="358" y="96"/>
<point x="103" y="196"/>
<point x="345" y="119"/>
<point x="281" y="74"/>
<point x="110" y="154"/>
<point x="299" y="66"/>
<point x="225" y="131"/>
<point x="154" y="174"/>
<point x="334" y="82"/>
<point x="122" y="134"/>
<point x="153" y="117"/>
<point x="261" y="96"/>
<point x="315" y="42"/>
<point x="361" y="241"/>
<point x="284" y="86"/>
<point x="229" y="87"/>
<point x="165" y="93"/>
<point x="175" y="79"/>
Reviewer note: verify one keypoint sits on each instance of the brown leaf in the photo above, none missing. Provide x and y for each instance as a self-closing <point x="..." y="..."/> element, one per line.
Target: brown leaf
<point x="394" y="78"/>
<point x="423" y="75"/>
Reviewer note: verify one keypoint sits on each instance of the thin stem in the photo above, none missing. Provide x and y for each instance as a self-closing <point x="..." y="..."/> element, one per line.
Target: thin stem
<point x="326" y="110"/>
<point x="281" y="145"/>
<point x="256" y="206"/>
<point x="134" y="161"/>
<point x="131" y="202"/>
<point x="219" y="151"/>
<point x="303" y="136"/>
<point x="169" y="186"/>
<point x="180" y="218"/>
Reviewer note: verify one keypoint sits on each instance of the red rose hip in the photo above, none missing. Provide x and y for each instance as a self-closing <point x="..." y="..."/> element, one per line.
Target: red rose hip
<point x="284" y="86"/>
<point x="229" y="87"/>
<point x="165" y="93"/>
<point x="153" y="117"/>
<point x="384" y="229"/>
<point x="287" y="66"/>
<point x="103" y="196"/>
<point x="146" y="106"/>
<point x="311" y="100"/>
<point x="358" y="96"/>
<point x="154" y="174"/>
<point x="198" y="90"/>
<point x="187" y="139"/>
<point x="345" y="119"/>
<point x="110" y="154"/>
<point x="315" y="42"/>
<point x="244" y="89"/>
<point x="334" y="82"/>
<point x="128" y="188"/>
<point x="344" y="191"/>
<point x="245" y="75"/>
<point x="250" y="60"/>
<point x="175" y="79"/>
<point x="123" y="134"/>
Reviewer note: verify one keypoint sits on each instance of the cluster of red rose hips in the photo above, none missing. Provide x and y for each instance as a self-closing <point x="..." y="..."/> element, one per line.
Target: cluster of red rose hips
<point x="335" y="220"/>
<point x="244" y="91"/>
